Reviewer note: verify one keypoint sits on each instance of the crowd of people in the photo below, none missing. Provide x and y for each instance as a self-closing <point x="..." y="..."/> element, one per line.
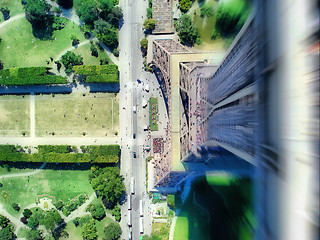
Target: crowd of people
<point x="158" y="145"/>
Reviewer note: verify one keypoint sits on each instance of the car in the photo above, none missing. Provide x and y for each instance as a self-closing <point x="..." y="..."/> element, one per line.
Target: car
<point x="134" y="154"/>
<point x="134" y="136"/>
<point x="138" y="80"/>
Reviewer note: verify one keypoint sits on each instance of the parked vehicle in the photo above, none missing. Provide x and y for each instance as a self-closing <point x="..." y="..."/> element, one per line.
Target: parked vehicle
<point x="141" y="225"/>
<point x="129" y="218"/>
<point x="134" y="154"/>
<point x="134" y="136"/>
<point x="129" y="202"/>
<point x="141" y="208"/>
<point x="132" y="185"/>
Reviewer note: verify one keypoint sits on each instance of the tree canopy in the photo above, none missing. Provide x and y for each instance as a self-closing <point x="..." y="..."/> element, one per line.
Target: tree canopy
<point x="34" y="234"/>
<point x="105" y="33"/>
<point x="108" y="183"/>
<point x="87" y="10"/>
<point x="112" y="231"/>
<point x="188" y="33"/>
<point x="36" y="10"/>
<point x="185" y="5"/>
<point x="231" y="15"/>
<point x="149" y="24"/>
<point x="89" y="231"/>
<point x="69" y="59"/>
<point x="144" y="43"/>
<point x="96" y="210"/>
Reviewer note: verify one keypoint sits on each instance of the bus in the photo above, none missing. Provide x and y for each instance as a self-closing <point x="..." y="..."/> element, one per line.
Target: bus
<point x="129" y="218"/>
<point x="141" y="208"/>
<point x="141" y="225"/>
<point x="132" y="185"/>
<point x="129" y="202"/>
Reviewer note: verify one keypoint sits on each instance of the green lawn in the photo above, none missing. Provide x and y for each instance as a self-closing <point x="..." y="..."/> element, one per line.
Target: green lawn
<point x="20" y="48"/>
<point x="75" y="232"/>
<point x="63" y="184"/>
<point x="221" y="179"/>
<point x="153" y="114"/>
<point x="88" y="59"/>
<point x="14" y="6"/>
<point x="181" y="231"/>
<point x="14" y="115"/>
<point x="206" y="26"/>
<point x="70" y="115"/>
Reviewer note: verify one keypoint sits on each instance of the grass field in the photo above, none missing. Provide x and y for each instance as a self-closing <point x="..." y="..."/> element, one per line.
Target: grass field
<point x="75" y="232"/>
<point x="181" y="231"/>
<point x="20" y="48"/>
<point x="14" y="6"/>
<point x="14" y="115"/>
<point x="153" y="114"/>
<point x="205" y="26"/>
<point x="72" y="115"/>
<point x="88" y="59"/>
<point x="64" y="184"/>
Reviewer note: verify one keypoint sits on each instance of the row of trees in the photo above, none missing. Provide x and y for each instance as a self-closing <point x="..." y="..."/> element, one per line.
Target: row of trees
<point x="188" y="33"/>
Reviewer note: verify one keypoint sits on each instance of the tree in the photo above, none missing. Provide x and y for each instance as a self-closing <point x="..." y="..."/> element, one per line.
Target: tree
<point x="69" y="59"/>
<point x="96" y="210"/>
<point x="144" y="43"/>
<point x="87" y="10"/>
<point x="106" y="8"/>
<point x="112" y="231"/>
<point x="108" y="183"/>
<point x="215" y="34"/>
<point x="231" y="15"/>
<point x="75" y="40"/>
<point x="4" y="222"/>
<point x="59" y="205"/>
<point x="171" y="200"/>
<point x="51" y="219"/>
<point x="149" y="12"/>
<point x="206" y="11"/>
<point x="105" y="33"/>
<point x="34" y="234"/>
<point x="1" y="64"/>
<point x="7" y="234"/>
<point x="24" y="220"/>
<point x="185" y="5"/>
<point x="6" y="12"/>
<point x="16" y="206"/>
<point x="36" y="10"/>
<point x="67" y="4"/>
<point x="115" y="16"/>
<point x="149" y="24"/>
<point x="94" y="50"/>
<point x="89" y="231"/>
<point x="27" y="213"/>
<point x="33" y="223"/>
<point x="186" y="31"/>
<point x="116" y="212"/>
<point x="111" y="40"/>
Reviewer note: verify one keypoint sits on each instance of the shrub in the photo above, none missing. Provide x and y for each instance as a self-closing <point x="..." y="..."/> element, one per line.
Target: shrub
<point x="96" y="210"/>
<point x="16" y="206"/>
<point x="206" y="11"/>
<point x="215" y="34"/>
<point x="115" y="52"/>
<point x="27" y="213"/>
<point x="185" y="5"/>
<point x="171" y="201"/>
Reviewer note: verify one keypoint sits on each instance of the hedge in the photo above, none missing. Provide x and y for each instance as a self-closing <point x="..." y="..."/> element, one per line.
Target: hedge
<point x="103" y="78"/>
<point x="55" y="148"/>
<point x="95" y="154"/>
<point x="29" y="76"/>
<point x="89" y="70"/>
<point x="98" y="73"/>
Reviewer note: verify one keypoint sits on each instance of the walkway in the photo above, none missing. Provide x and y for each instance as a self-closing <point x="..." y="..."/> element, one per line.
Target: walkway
<point x="16" y="17"/>
<point x="32" y="116"/>
<point x="76" y="141"/>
